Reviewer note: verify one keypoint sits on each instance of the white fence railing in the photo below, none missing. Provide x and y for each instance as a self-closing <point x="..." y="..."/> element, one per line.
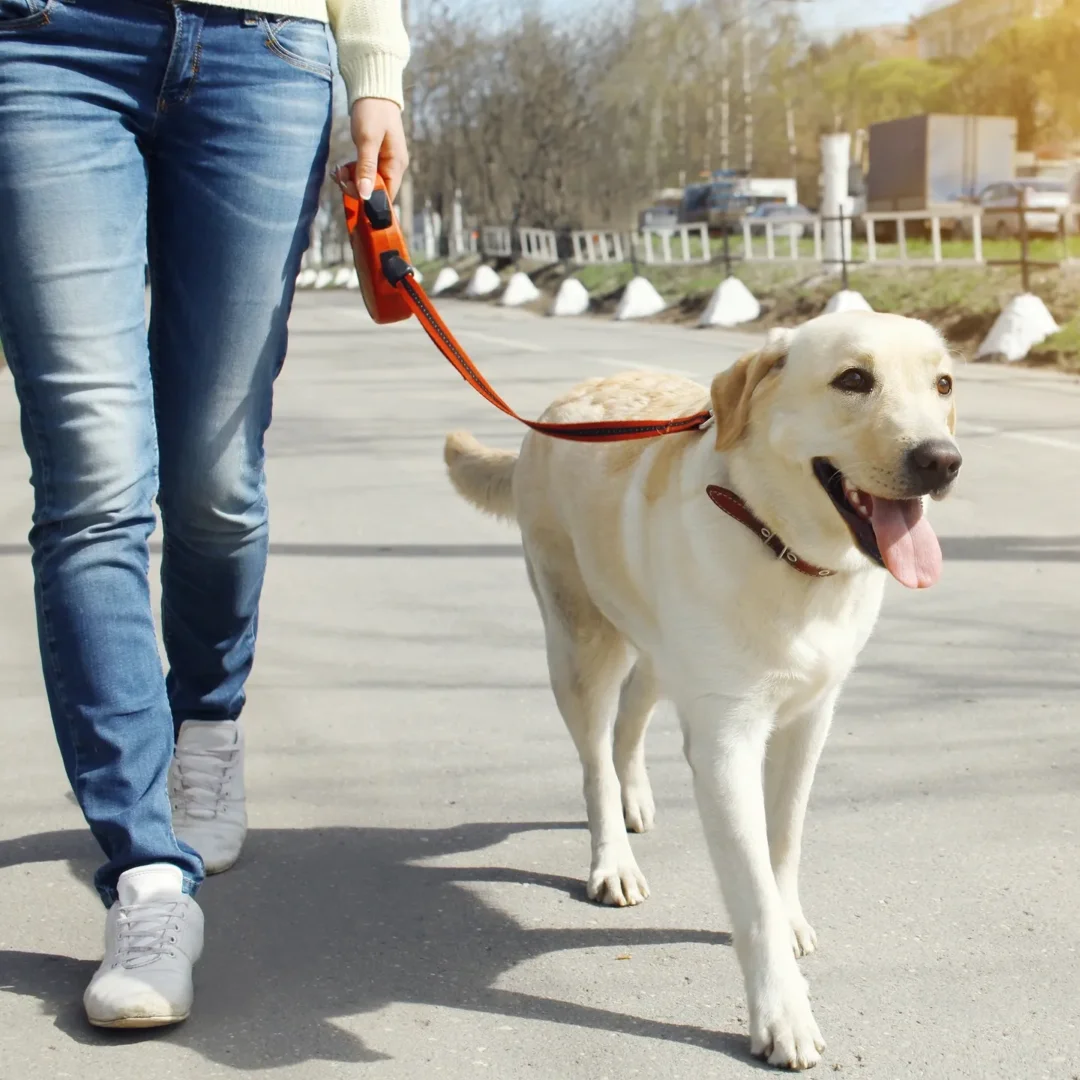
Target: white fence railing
<point x="688" y="252"/>
<point x="790" y="232"/>
<point x="968" y="221"/>
<point x="539" y="245"/>
<point x="763" y="240"/>
<point x="496" y="242"/>
<point x="602" y="246"/>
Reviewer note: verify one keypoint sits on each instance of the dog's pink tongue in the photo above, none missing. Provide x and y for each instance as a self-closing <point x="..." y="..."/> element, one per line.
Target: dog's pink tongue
<point x="907" y="542"/>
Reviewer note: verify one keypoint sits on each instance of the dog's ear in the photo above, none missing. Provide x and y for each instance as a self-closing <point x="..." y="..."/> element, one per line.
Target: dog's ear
<point x="952" y="418"/>
<point x="732" y="390"/>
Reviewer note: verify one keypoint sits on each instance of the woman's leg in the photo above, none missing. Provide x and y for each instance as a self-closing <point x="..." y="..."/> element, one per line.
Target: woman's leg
<point x="77" y="100"/>
<point x="235" y="168"/>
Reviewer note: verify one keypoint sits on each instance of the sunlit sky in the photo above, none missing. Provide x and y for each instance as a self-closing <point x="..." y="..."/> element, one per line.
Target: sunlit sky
<point x="820" y="16"/>
<point x="825" y="15"/>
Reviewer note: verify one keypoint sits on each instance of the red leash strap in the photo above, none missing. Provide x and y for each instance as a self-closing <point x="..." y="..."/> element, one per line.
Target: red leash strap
<point x="391" y="293"/>
<point x="446" y="343"/>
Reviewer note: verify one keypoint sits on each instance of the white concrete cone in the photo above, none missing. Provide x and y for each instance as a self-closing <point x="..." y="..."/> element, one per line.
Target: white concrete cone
<point x="341" y="277"/>
<point x="639" y="300"/>
<point x="446" y="278"/>
<point x="306" y="278"/>
<point x="353" y="280"/>
<point x="571" y="299"/>
<point x="417" y="276"/>
<point x="483" y="282"/>
<point x="324" y="279"/>
<point x="519" y="290"/>
<point x="731" y="304"/>
<point x="847" y="300"/>
<point x="1023" y="324"/>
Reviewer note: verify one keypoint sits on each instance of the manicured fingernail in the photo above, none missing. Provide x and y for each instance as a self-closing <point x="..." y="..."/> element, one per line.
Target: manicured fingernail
<point x="366" y="187"/>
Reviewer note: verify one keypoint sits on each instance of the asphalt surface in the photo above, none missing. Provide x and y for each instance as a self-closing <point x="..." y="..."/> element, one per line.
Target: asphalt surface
<point x="410" y="902"/>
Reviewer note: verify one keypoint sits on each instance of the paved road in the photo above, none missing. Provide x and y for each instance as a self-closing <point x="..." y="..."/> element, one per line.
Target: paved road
<point x="410" y="903"/>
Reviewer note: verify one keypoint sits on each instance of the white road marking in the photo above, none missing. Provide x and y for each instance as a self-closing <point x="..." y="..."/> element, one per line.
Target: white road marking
<point x="506" y="343"/>
<point x="1023" y="436"/>
<point x="607" y="361"/>
<point x="610" y="361"/>
<point x="1043" y="440"/>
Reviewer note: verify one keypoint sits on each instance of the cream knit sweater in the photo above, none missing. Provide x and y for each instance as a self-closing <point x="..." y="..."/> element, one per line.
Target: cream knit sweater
<point x="372" y="44"/>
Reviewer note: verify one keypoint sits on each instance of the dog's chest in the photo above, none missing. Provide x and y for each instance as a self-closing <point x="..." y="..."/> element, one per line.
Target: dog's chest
<point x="822" y="643"/>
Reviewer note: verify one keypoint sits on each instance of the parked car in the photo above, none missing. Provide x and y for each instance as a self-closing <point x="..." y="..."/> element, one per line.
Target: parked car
<point x="784" y="218"/>
<point x="659" y="217"/>
<point x="1046" y="201"/>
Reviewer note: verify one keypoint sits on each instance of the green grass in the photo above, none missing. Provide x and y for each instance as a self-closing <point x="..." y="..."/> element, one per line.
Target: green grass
<point x="1062" y="349"/>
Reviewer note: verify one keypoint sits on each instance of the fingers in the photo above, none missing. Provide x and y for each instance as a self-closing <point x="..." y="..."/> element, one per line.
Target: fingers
<point x="380" y="145"/>
<point x="367" y="163"/>
<point x="392" y="167"/>
<point x="343" y="177"/>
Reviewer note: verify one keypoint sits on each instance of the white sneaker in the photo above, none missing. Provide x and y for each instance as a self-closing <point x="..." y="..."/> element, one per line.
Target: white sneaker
<point x="153" y="936"/>
<point x="206" y="787"/>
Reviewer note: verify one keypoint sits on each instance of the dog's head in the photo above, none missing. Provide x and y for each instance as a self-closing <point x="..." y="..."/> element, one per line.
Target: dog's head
<point x="859" y="407"/>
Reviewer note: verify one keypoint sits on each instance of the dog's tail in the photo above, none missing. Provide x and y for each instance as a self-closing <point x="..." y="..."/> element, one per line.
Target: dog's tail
<point x="481" y="475"/>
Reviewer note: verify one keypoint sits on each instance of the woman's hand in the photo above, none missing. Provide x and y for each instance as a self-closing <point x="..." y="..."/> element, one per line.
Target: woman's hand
<point x="379" y="136"/>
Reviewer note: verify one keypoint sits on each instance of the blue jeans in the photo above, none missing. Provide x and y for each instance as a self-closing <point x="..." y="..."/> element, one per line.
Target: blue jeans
<point x="191" y="139"/>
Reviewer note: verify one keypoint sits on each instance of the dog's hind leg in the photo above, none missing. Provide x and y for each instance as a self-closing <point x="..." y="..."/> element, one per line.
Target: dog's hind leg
<point x="587" y="660"/>
<point x="636" y="704"/>
<point x="790" y="761"/>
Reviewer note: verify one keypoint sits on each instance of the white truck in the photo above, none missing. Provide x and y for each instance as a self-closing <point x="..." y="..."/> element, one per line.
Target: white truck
<point x="938" y="162"/>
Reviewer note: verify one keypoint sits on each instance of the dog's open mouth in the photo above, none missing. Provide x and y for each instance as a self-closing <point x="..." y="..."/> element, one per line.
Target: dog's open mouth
<point x="894" y="533"/>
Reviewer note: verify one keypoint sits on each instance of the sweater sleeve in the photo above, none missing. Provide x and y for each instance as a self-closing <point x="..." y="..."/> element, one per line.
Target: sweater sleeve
<point x="372" y="46"/>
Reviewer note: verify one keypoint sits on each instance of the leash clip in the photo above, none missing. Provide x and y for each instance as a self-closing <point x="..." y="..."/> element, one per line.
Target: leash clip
<point x="395" y="269"/>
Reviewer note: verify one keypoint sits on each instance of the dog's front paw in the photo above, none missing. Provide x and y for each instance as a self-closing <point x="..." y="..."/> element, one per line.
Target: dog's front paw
<point x="803" y="938"/>
<point x="639" y="809"/>
<point x="618" y="883"/>
<point x="782" y="1027"/>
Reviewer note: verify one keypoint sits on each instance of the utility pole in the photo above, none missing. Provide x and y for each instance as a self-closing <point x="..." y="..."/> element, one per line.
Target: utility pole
<point x="405" y="195"/>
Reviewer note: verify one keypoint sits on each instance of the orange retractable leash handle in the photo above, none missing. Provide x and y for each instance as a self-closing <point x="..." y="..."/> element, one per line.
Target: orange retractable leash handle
<point x="392" y="293"/>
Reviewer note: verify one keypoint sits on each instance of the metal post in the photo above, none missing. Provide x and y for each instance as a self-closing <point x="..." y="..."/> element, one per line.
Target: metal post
<point x="727" y="241"/>
<point x="1024" y="270"/>
<point x="843" y="249"/>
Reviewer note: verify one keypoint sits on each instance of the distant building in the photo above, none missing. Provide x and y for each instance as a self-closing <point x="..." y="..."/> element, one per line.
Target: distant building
<point x="960" y="27"/>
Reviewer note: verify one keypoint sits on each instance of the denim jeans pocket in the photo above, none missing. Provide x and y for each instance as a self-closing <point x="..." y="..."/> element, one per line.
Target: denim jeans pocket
<point x="300" y="42"/>
<point x="23" y="14"/>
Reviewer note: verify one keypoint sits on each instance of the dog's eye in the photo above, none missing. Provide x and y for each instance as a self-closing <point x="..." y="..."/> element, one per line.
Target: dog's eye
<point x="944" y="385"/>
<point x="854" y="381"/>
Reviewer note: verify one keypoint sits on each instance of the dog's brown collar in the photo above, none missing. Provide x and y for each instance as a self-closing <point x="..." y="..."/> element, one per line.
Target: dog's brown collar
<point x="733" y="506"/>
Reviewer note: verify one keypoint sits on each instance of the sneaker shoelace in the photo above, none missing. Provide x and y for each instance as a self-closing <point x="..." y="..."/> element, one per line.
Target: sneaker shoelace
<point x="146" y="932"/>
<point x="202" y="777"/>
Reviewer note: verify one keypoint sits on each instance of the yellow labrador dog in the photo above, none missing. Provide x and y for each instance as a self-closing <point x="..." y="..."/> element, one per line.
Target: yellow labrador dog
<point x="736" y="571"/>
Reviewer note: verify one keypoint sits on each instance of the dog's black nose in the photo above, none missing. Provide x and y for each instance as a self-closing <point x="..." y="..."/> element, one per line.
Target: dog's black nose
<point x="934" y="464"/>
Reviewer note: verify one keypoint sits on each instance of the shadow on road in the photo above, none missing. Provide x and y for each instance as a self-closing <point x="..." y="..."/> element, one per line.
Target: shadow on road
<point x="1012" y="548"/>
<point x="314" y="924"/>
<point x="964" y="548"/>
